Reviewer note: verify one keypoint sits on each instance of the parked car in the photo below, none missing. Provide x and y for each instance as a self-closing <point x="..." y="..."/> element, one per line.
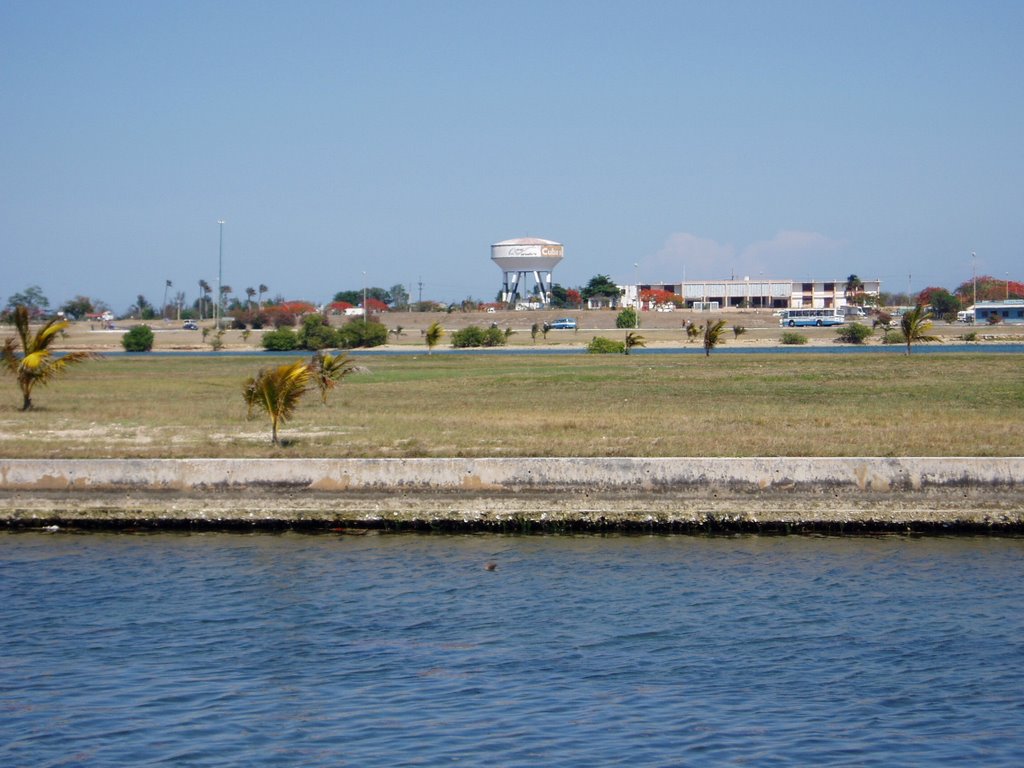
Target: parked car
<point x="190" y="326"/>
<point x="564" y="323"/>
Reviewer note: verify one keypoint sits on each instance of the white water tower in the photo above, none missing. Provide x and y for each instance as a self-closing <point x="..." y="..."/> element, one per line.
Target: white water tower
<point x="521" y="259"/>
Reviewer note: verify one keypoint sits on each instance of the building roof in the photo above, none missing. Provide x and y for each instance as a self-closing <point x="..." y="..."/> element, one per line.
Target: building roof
<point x="527" y="241"/>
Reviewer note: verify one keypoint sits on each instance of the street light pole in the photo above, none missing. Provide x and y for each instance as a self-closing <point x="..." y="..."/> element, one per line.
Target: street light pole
<point x="974" y="275"/>
<point x="220" y="274"/>
<point x="636" y="316"/>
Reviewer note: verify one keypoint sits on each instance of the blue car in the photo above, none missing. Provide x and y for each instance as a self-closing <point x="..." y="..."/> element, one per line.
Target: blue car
<point x="564" y="324"/>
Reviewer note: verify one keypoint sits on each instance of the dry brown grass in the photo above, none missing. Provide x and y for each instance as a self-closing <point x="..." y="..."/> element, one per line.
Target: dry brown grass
<point x="542" y="405"/>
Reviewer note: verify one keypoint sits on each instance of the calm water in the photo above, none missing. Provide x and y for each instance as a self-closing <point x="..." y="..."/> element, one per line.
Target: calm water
<point x="576" y="651"/>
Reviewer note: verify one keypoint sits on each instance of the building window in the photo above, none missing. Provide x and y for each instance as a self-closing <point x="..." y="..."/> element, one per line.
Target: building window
<point x="808" y="287"/>
<point x="830" y="287"/>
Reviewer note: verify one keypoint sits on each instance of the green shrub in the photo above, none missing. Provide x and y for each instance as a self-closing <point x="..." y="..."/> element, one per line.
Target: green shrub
<point x="627" y="318"/>
<point x="362" y="333"/>
<point x="470" y="336"/>
<point x="894" y="337"/>
<point x="138" y="339"/>
<point x="969" y="336"/>
<point x="281" y="340"/>
<point x="854" y="333"/>
<point x="475" y="336"/>
<point x="789" y="337"/>
<point x="599" y="345"/>
<point x="316" y="333"/>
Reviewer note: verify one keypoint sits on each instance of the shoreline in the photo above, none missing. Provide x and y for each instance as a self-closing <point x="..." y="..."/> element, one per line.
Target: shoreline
<point x="854" y="495"/>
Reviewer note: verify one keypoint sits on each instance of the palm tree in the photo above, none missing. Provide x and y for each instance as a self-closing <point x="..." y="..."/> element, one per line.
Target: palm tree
<point x="204" y="291"/>
<point x="249" y="293"/>
<point x="259" y="301"/>
<point x="916" y="323"/>
<point x="328" y="370"/>
<point x="713" y="333"/>
<point x="433" y="335"/>
<point x="277" y="391"/>
<point x="633" y="340"/>
<point x="35" y="364"/>
<point x="854" y="285"/>
<point x="163" y="307"/>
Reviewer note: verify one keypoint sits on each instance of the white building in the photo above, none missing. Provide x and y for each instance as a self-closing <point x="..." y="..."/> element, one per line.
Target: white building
<point x="762" y="293"/>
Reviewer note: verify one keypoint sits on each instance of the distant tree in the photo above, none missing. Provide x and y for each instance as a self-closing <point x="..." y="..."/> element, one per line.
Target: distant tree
<point x="433" y="335"/>
<point x="600" y="285"/>
<point x="915" y="324"/>
<point x="399" y="297"/>
<point x="534" y="330"/>
<point x="355" y="297"/>
<point x="375" y="306"/>
<point x="655" y="297"/>
<point x="31" y="298"/>
<point x="277" y="392"/>
<point x="35" y="362"/>
<point x="940" y="300"/>
<point x="261" y="290"/>
<point x="989" y="289"/>
<point x="713" y="335"/>
<point x="143" y="308"/>
<point x="854" y="285"/>
<point x="249" y="293"/>
<point x="573" y="298"/>
<point x="738" y="330"/>
<point x="78" y="307"/>
<point x="559" y="296"/>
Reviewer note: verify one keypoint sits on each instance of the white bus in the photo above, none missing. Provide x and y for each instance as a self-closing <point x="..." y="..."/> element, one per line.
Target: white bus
<point x="795" y="317"/>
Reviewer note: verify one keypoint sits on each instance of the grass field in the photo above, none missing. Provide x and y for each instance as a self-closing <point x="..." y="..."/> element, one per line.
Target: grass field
<point x="544" y="405"/>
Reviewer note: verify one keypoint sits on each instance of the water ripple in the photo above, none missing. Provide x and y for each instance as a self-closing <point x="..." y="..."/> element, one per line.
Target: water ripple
<point x="177" y="650"/>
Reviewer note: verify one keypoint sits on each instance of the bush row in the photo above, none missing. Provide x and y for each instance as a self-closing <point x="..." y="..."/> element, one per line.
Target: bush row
<point x="315" y="333"/>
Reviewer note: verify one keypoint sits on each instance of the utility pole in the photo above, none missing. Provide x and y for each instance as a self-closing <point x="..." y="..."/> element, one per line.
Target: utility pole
<point x="974" y="275"/>
<point x="420" y="302"/>
<point x="220" y="275"/>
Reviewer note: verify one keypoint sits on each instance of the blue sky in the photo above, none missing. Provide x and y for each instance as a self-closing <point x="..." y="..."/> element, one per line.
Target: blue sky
<point x="400" y="139"/>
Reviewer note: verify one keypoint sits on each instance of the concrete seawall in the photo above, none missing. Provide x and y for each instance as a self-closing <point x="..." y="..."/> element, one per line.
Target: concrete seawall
<point x="517" y="494"/>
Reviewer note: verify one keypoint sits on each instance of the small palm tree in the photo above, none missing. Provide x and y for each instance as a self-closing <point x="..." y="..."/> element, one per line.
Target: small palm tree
<point x="328" y="370"/>
<point x="433" y="335"/>
<point x="633" y="340"/>
<point x="249" y="293"/>
<point x="259" y="299"/>
<point x="204" y="292"/>
<point x="35" y="363"/>
<point x="713" y="336"/>
<point x="916" y="323"/>
<point x="277" y="391"/>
